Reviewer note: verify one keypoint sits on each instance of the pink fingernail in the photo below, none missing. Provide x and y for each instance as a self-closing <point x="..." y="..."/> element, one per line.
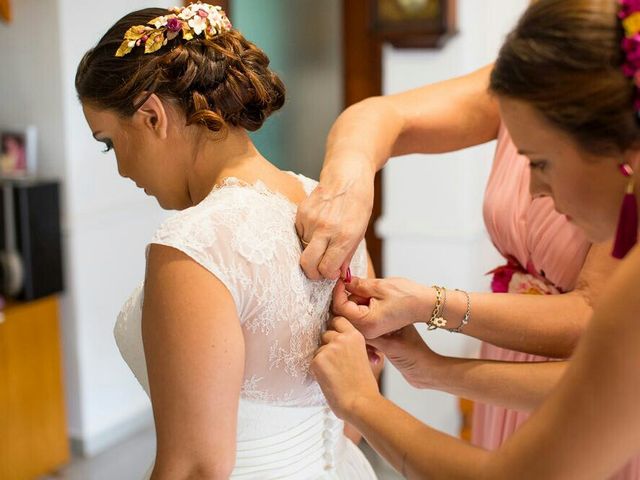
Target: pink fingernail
<point x="347" y="277"/>
<point x="373" y="356"/>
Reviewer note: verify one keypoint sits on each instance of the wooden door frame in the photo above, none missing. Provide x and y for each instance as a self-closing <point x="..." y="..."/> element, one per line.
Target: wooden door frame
<point x="362" y="78"/>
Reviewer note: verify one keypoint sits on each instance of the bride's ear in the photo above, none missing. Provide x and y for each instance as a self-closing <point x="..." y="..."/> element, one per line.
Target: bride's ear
<point x="153" y="116"/>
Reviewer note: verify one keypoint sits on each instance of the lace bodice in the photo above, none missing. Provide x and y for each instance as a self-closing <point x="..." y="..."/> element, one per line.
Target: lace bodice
<point x="245" y="236"/>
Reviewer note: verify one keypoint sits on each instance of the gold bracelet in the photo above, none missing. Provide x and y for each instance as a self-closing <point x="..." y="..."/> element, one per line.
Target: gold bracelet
<point x="436" y="320"/>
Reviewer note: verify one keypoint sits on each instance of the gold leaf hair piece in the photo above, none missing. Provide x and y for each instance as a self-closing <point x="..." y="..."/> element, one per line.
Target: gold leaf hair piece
<point x="190" y="21"/>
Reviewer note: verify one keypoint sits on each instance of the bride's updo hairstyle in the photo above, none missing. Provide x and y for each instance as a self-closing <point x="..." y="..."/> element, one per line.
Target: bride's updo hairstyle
<point x="217" y="80"/>
<point x="565" y="58"/>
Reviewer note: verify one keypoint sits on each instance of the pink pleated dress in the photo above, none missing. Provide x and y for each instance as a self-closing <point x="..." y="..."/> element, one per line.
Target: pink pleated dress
<point x="545" y="254"/>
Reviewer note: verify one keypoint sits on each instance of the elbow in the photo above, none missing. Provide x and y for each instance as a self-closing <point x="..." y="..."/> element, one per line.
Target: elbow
<point x="567" y="343"/>
<point x="563" y="346"/>
<point x="371" y="107"/>
<point x="563" y="337"/>
<point x="369" y="102"/>
<point x="575" y="330"/>
<point x="209" y="469"/>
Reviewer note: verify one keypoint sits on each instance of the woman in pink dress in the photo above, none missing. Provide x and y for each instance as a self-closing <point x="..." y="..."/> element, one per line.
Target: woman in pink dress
<point x="567" y="83"/>
<point x="544" y="254"/>
<point x="527" y="232"/>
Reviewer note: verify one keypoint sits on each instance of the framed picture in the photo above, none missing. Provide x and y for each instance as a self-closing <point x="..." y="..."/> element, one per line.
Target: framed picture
<point x="415" y="23"/>
<point x="18" y="152"/>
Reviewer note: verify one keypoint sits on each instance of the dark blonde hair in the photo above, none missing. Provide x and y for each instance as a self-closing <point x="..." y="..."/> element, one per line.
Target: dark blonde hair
<point x="225" y="81"/>
<point x="565" y="59"/>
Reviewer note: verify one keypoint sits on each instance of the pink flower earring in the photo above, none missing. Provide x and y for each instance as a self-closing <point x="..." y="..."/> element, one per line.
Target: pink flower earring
<point x="627" y="232"/>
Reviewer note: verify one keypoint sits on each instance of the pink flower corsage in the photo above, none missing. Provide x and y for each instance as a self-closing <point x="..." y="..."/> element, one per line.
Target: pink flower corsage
<point x="514" y="278"/>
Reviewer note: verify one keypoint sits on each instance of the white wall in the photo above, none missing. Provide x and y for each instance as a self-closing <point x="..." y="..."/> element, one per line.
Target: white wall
<point x="106" y="220"/>
<point x="303" y="41"/>
<point x="30" y="73"/>
<point x="313" y="78"/>
<point x="109" y="222"/>
<point x="432" y="213"/>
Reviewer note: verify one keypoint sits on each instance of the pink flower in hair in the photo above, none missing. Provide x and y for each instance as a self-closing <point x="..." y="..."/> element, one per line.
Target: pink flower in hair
<point x="631" y="48"/>
<point x="198" y="24"/>
<point x="627" y="7"/>
<point x="174" y="25"/>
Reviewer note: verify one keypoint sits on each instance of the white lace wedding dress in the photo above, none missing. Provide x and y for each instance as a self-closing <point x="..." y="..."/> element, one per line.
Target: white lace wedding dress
<point x="245" y="235"/>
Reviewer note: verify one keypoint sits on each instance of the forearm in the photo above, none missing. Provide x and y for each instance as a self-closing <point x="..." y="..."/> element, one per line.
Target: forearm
<point x="365" y="132"/>
<point x="547" y="325"/>
<point x="411" y="447"/>
<point x="516" y="385"/>
<point x="590" y="425"/>
<point x="442" y="117"/>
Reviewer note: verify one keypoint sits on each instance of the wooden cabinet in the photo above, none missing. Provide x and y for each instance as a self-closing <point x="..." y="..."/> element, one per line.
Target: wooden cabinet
<point x="33" y="431"/>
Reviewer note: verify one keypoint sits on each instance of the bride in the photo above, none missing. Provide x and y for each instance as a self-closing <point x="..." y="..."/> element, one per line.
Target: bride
<point x="229" y="323"/>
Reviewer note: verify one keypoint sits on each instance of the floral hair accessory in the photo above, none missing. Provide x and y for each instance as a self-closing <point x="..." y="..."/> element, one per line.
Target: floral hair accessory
<point x="191" y="21"/>
<point x="629" y="15"/>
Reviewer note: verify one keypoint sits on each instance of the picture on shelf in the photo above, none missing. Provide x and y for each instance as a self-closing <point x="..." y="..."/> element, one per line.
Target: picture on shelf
<point x="18" y="152"/>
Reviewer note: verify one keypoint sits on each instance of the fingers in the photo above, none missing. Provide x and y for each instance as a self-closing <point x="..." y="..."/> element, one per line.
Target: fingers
<point x="404" y="339"/>
<point x="382" y="343"/>
<point x="345" y="306"/>
<point x="323" y="260"/>
<point x="301" y="219"/>
<point x="341" y="325"/>
<point x="329" y="336"/>
<point x="345" y="271"/>
<point x="317" y="352"/>
<point x="340" y="252"/>
<point x="317" y="224"/>
<point x="365" y="287"/>
<point x="374" y="355"/>
<point x="335" y="214"/>
<point x="335" y="257"/>
<point x="359" y="300"/>
<point x="312" y="255"/>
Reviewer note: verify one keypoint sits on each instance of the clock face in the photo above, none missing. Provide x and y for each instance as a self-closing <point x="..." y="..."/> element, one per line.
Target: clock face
<point x="401" y="10"/>
<point x="412" y="6"/>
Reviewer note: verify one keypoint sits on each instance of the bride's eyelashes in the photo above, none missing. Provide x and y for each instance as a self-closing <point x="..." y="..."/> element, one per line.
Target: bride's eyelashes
<point x="108" y="145"/>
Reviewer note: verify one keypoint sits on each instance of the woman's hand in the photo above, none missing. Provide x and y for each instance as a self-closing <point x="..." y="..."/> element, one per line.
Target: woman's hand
<point x="333" y="220"/>
<point x="409" y="353"/>
<point x="377" y="307"/>
<point x="341" y="367"/>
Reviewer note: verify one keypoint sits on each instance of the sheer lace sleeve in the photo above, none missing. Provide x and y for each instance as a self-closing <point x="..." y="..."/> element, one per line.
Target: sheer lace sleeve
<point x="202" y="234"/>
